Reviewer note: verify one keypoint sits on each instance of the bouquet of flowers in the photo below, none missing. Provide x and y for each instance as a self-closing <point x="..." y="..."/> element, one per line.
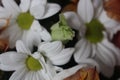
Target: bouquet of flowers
<point x="59" y="39"/>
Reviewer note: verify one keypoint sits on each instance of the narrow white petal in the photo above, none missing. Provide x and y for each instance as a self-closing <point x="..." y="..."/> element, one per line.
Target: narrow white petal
<point x="63" y="57"/>
<point x="12" y="60"/>
<point x="51" y="49"/>
<point x="104" y="69"/>
<point x="73" y="20"/>
<point x="90" y="62"/>
<point x="24" y="5"/>
<point x="36" y="26"/>
<point x="45" y="35"/>
<point x="37" y="11"/>
<point x="19" y="74"/>
<point x="51" y="9"/>
<point x="106" y="55"/>
<point x="14" y="33"/>
<point x="4" y="13"/>
<point x="98" y="6"/>
<point x="29" y="76"/>
<point x="115" y="51"/>
<point x="68" y="72"/>
<point x="37" y="8"/>
<point x="22" y="48"/>
<point x="11" y="6"/>
<point x="85" y="10"/>
<point x="80" y="50"/>
<point x="107" y="22"/>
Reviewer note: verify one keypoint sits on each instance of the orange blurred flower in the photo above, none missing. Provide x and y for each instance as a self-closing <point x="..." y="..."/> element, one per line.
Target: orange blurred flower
<point x="85" y="74"/>
<point x="72" y="6"/>
<point x="113" y="9"/>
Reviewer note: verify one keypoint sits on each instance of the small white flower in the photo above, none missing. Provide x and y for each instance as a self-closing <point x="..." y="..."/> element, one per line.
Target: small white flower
<point x="22" y="23"/>
<point x="93" y="41"/>
<point x="27" y="66"/>
<point x="55" y="52"/>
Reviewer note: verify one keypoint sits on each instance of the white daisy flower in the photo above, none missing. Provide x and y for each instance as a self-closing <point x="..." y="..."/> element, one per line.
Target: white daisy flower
<point x="22" y="20"/>
<point x="55" y="52"/>
<point x="27" y="66"/>
<point x="93" y="41"/>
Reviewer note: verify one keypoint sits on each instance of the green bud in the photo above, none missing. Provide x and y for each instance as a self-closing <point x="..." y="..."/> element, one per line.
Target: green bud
<point x="61" y="31"/>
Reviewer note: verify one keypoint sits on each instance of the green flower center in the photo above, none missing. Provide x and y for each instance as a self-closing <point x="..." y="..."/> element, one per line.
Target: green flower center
<point x="33" y="64"/>
<point x="25" y="20"/>
<point x="94" y="31"/>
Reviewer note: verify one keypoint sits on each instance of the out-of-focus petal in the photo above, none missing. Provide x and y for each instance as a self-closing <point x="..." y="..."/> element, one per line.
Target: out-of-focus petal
<point x="51" y="9"/>
<point x="73" y="20"/>
<point x="63" y="57"/>
<point x="85" y="10"/>
<point x="19" y="74"/>
<point x="11" y="61"/>
<point x="51" y="49"/>
<point x="22" y="48"/>
<point x="24" y="5"/>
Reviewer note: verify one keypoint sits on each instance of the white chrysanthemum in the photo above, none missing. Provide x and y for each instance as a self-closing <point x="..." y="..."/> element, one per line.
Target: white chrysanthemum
<point x="93" y="41"/>
<point x="22" y="20"/>
<point x="27" y="66"/>
<point x="55" y="52"/>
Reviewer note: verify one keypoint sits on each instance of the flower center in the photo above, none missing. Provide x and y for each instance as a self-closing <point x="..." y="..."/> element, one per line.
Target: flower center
<point x="94" y="31"/>
<point x="25" y="20"/>
<point x="33" y="64"/>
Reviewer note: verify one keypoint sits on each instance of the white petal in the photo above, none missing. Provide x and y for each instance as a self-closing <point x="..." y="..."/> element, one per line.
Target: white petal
<point x="19" y="74"/>
<point x="37" y="8"/>
<point x="73" y="20"/>
<point x="32" y="37"/>
<point x="51" y="49"/>
<point x="63" y="57"/>
<point x="36" y="26"/>
<point x="81" y="48"/>
<point x="14" y="33"/>
<point x="115" y="51"/>
<point x="106" y="56"/>
<point x="29" y="75"/>
<point x="4" y="13"/>
<point x="85" y="10"/>
<point x="90" y="62"/>
<point x="22" y="48"/>
<point x="24" y="5"/>
<point x="37" y="11"/>
<point x="98" y="6"/>
<point x="105" y="69"/>
<point x="11" y="6"/>
<point x="12" y="60"/>
<point x="51" y="9"/>
<point x="68" y="72"/>
<point x="45" y="35"/>
<point x="107" y="22"/>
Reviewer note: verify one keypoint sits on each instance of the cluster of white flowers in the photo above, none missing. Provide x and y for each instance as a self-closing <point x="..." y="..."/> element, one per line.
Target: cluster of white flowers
<point x="23" y="31"/>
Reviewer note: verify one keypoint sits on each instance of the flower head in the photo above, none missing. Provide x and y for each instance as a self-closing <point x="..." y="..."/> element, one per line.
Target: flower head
<point x="26" y="65"/>
<point x="22" y="21"/>
<point x="94" y="42"/>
